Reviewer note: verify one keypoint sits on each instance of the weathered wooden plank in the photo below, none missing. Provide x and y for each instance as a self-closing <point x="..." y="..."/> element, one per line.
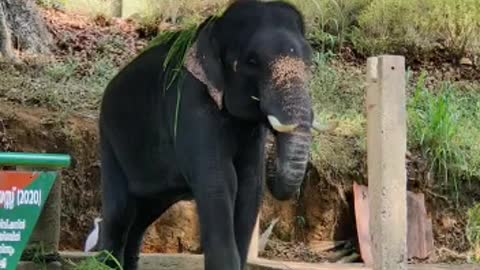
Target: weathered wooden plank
<point x="253" y="250"/>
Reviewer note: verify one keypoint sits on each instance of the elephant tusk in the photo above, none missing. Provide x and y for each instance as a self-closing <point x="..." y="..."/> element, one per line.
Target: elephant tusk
<point x="279" y="126"/>
<point x="255" y="98"/>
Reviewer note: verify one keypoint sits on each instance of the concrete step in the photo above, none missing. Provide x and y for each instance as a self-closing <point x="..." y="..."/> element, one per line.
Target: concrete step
<point x="195" y="262"/>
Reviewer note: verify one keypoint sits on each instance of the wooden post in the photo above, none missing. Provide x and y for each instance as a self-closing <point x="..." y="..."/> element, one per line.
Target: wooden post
<point x="253" y="250"/>
<point x="117" y="10"/>
<point x="386" y="140"/>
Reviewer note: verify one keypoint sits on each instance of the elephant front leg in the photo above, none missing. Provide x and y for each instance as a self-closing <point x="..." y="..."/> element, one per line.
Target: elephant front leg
<point x="249" y="167"/>
<point x="215" y="196"/>
<point x="249" y="196"/>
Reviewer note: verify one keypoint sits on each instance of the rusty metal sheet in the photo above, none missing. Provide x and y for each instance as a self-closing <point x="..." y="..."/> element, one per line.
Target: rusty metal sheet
<point x="419" y="226"/>
<point x="362" y="214"/>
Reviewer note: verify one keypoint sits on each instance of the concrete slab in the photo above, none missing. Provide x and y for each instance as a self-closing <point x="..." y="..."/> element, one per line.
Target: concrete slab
<point x="261" y="264"/>
<point x="195" y="262"/>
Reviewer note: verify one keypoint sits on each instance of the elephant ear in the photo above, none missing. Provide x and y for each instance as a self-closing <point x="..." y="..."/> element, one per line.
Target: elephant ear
<point x="204" y="63"/>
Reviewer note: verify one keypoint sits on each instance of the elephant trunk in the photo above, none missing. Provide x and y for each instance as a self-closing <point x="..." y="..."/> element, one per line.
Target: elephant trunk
<point x="288" y="108"/>
<point x="290" y="164"/>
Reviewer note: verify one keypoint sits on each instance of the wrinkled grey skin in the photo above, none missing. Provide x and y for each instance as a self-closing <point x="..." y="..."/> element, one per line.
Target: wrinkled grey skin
<point x="246" y="73"/>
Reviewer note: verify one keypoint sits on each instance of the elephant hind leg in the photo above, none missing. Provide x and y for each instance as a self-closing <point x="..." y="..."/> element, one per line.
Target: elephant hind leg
<point x="117" y="206"/>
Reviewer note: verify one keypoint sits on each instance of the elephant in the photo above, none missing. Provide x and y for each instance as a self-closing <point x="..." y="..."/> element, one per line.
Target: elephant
<point x="201" y="137"/>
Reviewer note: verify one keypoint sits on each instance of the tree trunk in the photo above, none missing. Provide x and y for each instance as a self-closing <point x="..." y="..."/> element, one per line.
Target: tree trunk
<point x="117" y="8"/>
<point x="6" y="49"/>
<point x="22" y="28"/>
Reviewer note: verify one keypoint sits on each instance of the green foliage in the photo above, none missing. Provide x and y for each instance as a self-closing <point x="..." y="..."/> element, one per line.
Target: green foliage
<point x="62" y="71"/>
<point x="435" y="126"/>
<point x="473" y="231"/>
<point x="329" y="22"/>
<point x="173" y="64"/>
<point x="443" y="125"/>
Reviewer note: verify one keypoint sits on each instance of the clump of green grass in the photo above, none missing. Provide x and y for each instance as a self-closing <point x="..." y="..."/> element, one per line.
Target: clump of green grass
<point x="97" y="262"/>
<point x="443" y="129"/>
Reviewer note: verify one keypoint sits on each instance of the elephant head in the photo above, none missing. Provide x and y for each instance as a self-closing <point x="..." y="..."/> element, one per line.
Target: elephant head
<point x="255" y="62"/>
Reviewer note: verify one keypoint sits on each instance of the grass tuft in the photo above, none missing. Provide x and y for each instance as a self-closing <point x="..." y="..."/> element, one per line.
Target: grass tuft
<point x="443" y="126"/>
<point x="98" y="262"/>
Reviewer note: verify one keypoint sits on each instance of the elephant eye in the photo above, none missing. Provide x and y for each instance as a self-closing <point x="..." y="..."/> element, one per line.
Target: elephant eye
<point x="252" y="61"/>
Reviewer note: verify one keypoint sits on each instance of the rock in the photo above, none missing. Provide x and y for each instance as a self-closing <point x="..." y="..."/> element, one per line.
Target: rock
<point x="466" y="61"/>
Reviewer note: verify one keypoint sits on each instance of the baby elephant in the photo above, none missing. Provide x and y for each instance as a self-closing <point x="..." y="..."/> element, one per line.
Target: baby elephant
<point x="201" y="135"/>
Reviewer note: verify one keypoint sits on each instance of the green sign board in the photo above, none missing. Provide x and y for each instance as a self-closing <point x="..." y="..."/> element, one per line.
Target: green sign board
<point x="22" y="197"/>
